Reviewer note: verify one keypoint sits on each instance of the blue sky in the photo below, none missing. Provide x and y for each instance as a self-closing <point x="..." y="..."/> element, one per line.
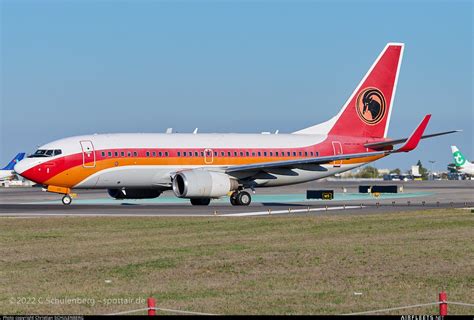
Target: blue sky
<point x="79" y="67"/>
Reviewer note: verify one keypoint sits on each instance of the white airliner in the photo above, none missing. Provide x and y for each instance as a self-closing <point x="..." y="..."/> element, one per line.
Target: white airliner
<point x="462" y="165"/>
<point x="201" y="167"/>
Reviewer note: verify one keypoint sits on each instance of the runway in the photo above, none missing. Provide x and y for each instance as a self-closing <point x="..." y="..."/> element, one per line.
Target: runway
<point x="290" y="200"/>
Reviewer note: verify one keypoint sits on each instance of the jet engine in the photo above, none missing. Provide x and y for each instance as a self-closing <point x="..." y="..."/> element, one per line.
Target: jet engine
<point x="202" y="184"/>
<point x="134" y="193"/>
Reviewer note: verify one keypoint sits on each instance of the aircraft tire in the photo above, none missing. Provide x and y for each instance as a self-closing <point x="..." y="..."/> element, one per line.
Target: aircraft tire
<point x="244" y="198"/>
<point x="66" y="200"/>
<point x="233" y="199"/>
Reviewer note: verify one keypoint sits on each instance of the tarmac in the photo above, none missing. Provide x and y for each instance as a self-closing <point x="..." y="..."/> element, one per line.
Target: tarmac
<point x="288" y="200"/>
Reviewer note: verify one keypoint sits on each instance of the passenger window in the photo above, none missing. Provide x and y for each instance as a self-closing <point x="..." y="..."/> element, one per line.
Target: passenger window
<point x="116" y="153"/>
<point x="253" y="154"/>
<point x="129" y="154"/>
<point x="311" y="153"/>
<point x="179" y="154"/>
<point x="109" y="153"/>
<point x="300" y="154"/>
<point x="259" y="154"/>
<point x="135" y="154"/>
<point x="222" y="153"/>
<point x="160" y="154"/>
<point x="184" y="154"/>
<point x="317" y="153"/>
<point x="153" y="154"/>
<point x="247" y="153"/>
<point x="276" y="153"/>
<point x="166" y="153"/>
<point x="148" y="153"/>
<point x="271" y="153"/>
<point x="305" y="153"/>
<point x="103" y="154"/>
<point x="196" y="154"/>
<point x="235" y="153"/>
<point x="264" y="153"/>
<point x="228" y="153"/>
<point x="241" y="154"/>
<point x="122" y="154"/>
<point x="202" y="153"/>
<point x="294" y="154"/>
<point x="215" y="153"/>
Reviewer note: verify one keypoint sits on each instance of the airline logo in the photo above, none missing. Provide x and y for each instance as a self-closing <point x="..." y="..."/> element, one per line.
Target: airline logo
<point x="459" y="158"/>
<point x="370" y="106"/>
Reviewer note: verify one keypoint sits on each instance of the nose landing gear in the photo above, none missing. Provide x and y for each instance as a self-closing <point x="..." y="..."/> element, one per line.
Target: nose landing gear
<point x="240" y="198"/>
<point x="67" y="198"/>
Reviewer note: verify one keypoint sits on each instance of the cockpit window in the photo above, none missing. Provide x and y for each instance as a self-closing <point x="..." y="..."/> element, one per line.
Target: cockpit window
<point x="42" y="153"/>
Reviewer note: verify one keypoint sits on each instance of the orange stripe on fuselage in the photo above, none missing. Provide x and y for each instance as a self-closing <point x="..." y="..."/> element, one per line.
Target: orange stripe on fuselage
<point x="73" y="176"/>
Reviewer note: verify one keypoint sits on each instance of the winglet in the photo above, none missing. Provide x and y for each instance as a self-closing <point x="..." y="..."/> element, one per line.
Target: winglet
<point x="415" y="137"/>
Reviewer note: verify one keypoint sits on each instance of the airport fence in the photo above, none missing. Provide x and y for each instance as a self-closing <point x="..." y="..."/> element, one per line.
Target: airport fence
<point x="152" y="308"/>
<point x="442" y="302"/>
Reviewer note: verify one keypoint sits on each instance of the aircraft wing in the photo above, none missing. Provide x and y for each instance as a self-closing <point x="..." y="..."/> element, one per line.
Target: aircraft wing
<point x="410" y="144"/>
<point x="299" y="162"/>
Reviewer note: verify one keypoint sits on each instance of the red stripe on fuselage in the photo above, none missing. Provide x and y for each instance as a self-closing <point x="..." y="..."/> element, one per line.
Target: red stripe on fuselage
<point x="46" y="172"/>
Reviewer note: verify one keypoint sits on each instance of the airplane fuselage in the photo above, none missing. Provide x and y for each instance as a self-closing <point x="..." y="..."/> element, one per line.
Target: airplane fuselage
<point x="150" y="160"/>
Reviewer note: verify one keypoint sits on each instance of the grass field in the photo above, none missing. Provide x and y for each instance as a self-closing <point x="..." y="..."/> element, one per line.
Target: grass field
<point x="266" y="265"/>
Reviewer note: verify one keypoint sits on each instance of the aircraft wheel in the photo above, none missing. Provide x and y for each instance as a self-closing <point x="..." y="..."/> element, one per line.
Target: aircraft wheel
<point x="200" y="201"/>
<point x="67" y="200"/>
<point x="233" y="199"/>
<point x="244" y="198"/>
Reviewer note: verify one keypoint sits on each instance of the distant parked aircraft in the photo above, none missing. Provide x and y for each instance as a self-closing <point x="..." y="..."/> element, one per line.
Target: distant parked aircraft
<point x="6" y="173"/>
<point x="462" y="164"/>
<point x="205" y="166"/>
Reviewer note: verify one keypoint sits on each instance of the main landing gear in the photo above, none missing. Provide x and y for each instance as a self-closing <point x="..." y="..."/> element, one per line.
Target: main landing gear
<point x="240" y="198"/>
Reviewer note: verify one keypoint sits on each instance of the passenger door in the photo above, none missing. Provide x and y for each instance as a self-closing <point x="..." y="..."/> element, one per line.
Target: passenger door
<point x="88" y="154"/>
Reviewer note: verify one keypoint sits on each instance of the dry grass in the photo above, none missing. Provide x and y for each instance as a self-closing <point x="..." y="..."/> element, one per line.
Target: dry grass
<point x="266" y="265"/>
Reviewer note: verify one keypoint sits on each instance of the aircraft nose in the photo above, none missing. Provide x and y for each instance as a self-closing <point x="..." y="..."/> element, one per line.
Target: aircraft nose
<point x="25" y="168"/>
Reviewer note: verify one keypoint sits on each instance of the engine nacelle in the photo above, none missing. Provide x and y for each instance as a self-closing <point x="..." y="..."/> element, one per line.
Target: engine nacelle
<point x="202" y="184"/>
<point x="134" y="193"/>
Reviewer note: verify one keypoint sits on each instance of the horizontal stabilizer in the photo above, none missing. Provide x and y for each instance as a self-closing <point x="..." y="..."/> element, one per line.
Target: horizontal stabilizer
<point x="387" y="143"/>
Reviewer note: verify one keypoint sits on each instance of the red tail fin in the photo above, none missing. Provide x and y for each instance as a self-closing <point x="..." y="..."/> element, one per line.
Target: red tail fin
<point x="367" y="112"/>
